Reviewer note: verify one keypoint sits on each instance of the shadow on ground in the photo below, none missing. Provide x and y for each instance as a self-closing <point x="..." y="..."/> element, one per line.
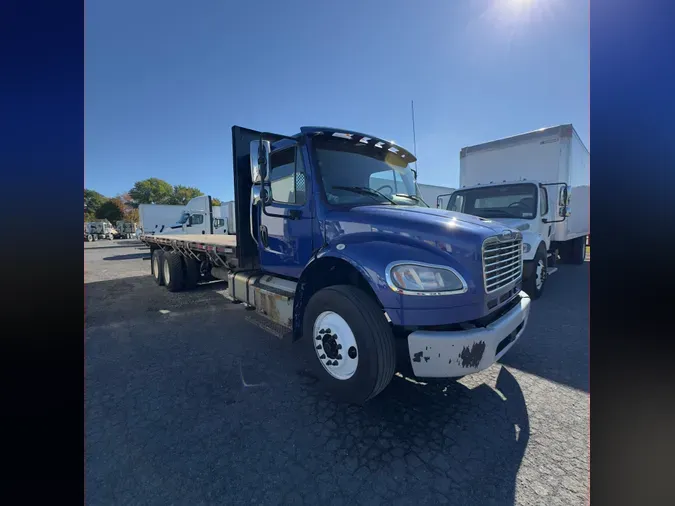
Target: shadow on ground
<point x="130" y="256"/>
<point x="555" y="345"/>
<point x="171" y="419"/>
<point x="138" y="245"/>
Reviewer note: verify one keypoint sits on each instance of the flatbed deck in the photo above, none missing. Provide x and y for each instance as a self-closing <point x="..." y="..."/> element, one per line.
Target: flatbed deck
<point x="207" y="239"/>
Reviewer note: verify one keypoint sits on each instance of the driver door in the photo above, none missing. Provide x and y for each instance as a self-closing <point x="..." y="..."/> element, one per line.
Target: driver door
<point x="285" y="230"/>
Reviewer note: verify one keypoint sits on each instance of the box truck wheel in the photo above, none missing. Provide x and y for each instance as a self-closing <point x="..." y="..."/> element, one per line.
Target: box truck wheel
<point x="192" y="274"/>
<point x="90" y="238"/>
<point x="352" y="345"/>
<point x="536" y="281"/>
<point x="157" y="265"/>
<point x="174" y="277"/>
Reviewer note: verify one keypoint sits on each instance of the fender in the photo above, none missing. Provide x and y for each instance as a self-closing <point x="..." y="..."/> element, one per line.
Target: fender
<point x="370" y="252"/>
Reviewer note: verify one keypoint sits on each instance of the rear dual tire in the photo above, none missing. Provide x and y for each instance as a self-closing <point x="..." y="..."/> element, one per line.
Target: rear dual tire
<point x="352" y="345"/>
<point x="173" y="271"/>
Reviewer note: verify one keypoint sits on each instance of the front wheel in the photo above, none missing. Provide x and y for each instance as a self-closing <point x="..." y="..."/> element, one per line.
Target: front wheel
<point x="90" y="238"/>
<point x="536" y="281"/>
<point x="352" y="343"/>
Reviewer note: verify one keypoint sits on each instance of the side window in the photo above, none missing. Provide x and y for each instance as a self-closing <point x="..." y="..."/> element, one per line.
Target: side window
<point x="543" y="202"/>
<point x="456" y="204"/>
<point x="287" y="177"/>
<point x="197" y="219"/>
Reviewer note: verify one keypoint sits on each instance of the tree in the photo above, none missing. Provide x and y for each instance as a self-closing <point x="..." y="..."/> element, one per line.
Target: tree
<point x="132" y="216"/>
<point x="112" y="210"/>
<point x="216" y="202"/>
<point x="151" y="191"/>
<point x="183" y="194"/>
<point x="93" y="200"/>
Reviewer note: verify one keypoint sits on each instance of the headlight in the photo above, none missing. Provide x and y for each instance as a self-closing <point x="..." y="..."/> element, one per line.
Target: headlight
<point x="424" y="279"/>
<point x="526" y="247"/>
<point x="524" y="226"/>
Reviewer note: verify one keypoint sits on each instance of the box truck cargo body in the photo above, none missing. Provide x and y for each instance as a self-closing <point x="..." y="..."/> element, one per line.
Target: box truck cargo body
<point x="538" y="183"/>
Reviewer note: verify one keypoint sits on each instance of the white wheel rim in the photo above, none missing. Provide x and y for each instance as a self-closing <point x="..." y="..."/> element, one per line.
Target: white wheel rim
<point x="167" y="273"/>
<point x="335" y="344"/>
<point x="540" y="275"/>
<point x="155" y="265"/>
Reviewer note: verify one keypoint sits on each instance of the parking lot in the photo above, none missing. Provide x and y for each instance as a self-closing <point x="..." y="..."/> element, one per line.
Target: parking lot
<point x="188" y="402"/>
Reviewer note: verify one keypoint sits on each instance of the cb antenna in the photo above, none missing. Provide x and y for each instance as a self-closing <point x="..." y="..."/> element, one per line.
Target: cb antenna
<point x="412" y="107"/>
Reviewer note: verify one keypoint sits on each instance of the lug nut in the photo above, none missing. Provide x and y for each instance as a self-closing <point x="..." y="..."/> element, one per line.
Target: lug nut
<point x="322" y="357"/>
<point x="318" y="347"/>
<point x="339" y="346"/>
<point x="318" y="338"/>
<point x="339" y="357"/>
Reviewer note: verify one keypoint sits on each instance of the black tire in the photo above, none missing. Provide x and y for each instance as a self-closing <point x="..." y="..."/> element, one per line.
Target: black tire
<point x="174" y="277"/>
<point x="192" y="274"/>
<point x="530" y="284"/>
<point x="373" y="336"/>
<point x="577" y="250"/>
<point x="157" y="266"/>
<point x="90" y="238"/>
<point x="95" y="238"/>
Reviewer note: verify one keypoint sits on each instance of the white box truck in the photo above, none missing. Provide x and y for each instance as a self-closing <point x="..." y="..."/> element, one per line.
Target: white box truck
<point x="538" y="183"/>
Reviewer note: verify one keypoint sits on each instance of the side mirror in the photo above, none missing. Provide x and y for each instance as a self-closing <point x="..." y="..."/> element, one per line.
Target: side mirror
<point x="259" y="160"/>
<point x="189" y="221"/>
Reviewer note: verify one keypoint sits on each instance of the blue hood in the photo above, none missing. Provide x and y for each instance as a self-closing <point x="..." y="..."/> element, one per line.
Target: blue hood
<point x="438" y="225"/>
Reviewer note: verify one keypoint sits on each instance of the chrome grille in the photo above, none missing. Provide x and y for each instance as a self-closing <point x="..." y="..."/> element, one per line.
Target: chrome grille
<point x="502" y="262"/>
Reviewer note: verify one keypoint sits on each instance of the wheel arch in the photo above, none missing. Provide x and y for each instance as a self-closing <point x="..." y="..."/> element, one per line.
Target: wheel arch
<point x="327" y="271"/>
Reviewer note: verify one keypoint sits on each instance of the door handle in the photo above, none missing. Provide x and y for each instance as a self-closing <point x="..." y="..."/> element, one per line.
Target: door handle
<point x="263" y="235"/>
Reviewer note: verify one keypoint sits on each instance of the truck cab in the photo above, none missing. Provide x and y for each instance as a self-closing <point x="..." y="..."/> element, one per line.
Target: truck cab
<point x="198" y="217"/>
<point x="337" y="251"/>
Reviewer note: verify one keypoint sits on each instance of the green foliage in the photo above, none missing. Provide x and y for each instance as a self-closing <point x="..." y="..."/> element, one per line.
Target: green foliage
<point x="151" y="191"/>
<point x="132" y="216"/>
<point x="183" y="194"/>
<point x="216" y="202"/>
<point x="93" y="200"/>
<point x="112" y="210"/>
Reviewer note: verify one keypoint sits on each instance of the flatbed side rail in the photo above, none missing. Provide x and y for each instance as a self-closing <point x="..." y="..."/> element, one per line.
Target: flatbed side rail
<point x="192" y="249"/>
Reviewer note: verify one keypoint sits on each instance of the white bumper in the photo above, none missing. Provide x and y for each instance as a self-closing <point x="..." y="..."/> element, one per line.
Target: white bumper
<point x="447" y="354"/>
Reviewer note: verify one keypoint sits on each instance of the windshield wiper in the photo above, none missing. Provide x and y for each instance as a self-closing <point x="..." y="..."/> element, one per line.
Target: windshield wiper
<point x="365" y="191"/>
<point x="411" y="197"/>
<point x="499" y="212"/>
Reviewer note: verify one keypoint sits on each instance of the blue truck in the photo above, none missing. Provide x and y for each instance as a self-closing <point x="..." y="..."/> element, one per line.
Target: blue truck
<point x="335" y="249"/>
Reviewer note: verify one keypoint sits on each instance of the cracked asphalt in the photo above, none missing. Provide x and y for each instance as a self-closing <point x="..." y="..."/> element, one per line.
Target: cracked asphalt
<point x="188" y="403"/>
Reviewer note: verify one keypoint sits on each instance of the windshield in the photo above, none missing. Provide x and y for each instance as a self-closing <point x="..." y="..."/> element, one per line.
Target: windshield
<point x="361" y="174"/>
<point x="507" y="201"/>
<point x="183" y="217"/>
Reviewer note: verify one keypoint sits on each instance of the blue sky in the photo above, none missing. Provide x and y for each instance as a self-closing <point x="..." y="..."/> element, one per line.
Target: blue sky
<point x="166" y="79"/>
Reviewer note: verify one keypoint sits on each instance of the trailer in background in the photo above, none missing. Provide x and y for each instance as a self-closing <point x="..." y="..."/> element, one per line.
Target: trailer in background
<point x="431" y="193"/>
<point x="198" y="216"/>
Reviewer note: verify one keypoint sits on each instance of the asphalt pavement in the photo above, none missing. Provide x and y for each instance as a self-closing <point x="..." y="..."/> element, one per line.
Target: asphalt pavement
<point x="188" y="403"/>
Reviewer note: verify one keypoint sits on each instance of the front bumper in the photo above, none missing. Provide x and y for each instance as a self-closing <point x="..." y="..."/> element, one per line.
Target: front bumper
<point x="447" y="354"/>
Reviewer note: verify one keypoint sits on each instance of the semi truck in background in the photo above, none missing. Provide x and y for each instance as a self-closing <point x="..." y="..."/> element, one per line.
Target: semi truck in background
<point x="125" y="229"/>
<point x="335" y="249"/>
<point x="95" y="230"/>
<point x="198" y="216"/>
<point x="537" y="183"/>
